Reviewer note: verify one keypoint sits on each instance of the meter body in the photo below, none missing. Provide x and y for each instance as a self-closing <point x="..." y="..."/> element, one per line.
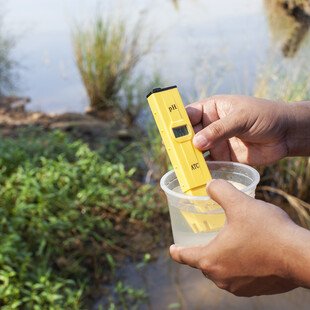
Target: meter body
<point x="177" y="133"/>
<point x="188" y="162"/>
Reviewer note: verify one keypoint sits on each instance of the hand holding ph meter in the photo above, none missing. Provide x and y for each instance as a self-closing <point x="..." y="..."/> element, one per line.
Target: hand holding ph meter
<point x="193" y="218"/>
<point x="260" y="250"/>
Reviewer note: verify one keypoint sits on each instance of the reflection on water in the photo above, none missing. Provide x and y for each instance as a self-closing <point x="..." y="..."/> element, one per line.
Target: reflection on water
<point x="203" y="46"/>
<point x="180" y="287"/>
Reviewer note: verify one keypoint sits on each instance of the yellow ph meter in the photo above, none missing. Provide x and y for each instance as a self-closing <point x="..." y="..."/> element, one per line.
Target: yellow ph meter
<point x="188" y="162"/>
<point x="177" y="133"/>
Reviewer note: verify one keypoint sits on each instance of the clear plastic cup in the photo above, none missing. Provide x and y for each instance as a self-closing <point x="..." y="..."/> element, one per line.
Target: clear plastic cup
<point x="197" y="220"/>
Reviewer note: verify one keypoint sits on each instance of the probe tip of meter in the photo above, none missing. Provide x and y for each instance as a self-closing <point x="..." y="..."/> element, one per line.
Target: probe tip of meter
<point x="177" y="133"/>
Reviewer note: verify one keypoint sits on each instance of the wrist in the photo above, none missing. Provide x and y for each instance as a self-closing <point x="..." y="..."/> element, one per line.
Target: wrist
<point x="297" y="256"/>
<point x="298" y="129"/>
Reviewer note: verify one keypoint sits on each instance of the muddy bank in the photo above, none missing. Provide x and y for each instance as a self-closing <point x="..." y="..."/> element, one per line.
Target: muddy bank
<point x="13" y="114"/>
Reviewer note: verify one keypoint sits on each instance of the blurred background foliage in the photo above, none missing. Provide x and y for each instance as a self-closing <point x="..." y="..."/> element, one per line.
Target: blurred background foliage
<point x="65" y="212"/>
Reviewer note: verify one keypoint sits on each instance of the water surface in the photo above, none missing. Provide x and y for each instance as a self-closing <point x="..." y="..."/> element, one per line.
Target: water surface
<point x="203" y="46"/>
<point x="173" y="286"/>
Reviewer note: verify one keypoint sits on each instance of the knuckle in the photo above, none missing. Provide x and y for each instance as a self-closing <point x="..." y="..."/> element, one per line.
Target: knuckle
<point x="216" y="129"/>
<point x="217" y="98"/>
<point x="193" y="106"/>
<point x="213" y="99"/>
<point x="235" y="289"/>
<point x="209" y="269"/>
<point x="222" y="285"/>
<point x="239" y="120"/>
<point x="180" y="257"/>
<point x="204" y="265"/>
<point x="236" y="292"/>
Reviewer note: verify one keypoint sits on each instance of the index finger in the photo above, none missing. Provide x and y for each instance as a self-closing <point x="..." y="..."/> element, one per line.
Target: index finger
<point x="194" y="111"/>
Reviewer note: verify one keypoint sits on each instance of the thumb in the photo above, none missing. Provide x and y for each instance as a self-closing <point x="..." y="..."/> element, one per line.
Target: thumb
<point x="227" y="196"/>
<point x="186" y="255"/>
<point x="217" y="131"/>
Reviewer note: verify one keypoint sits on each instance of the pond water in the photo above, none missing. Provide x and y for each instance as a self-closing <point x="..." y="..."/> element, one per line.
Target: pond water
<point x="202" y="45"/>
<point x="173" y="286"/>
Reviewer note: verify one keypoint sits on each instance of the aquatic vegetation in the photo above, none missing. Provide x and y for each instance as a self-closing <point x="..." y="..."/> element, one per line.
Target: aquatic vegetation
<point x="106" y="54"/>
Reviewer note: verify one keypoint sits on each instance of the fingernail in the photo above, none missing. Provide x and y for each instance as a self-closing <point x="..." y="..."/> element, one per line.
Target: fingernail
<point x="172" y="249"/>
<point x="208" y="183"/>
<point x="200" y="140"/>
<point x="173" y="246"/>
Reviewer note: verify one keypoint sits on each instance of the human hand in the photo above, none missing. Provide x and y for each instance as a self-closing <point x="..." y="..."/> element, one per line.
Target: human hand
<point x="240" y="128"/>
<point x="259" y="250"/>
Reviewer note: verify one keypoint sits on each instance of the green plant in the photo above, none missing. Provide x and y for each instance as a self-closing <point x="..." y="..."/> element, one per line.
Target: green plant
<point x="126" y="297"/>
<point x="64" y="213"/>
<point x="106" y="53"/>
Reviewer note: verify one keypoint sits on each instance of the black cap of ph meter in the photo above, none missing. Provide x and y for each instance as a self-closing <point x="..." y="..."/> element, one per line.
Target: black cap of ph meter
<point x="157" y="90"/>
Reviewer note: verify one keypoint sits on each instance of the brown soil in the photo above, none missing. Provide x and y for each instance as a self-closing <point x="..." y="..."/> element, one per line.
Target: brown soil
<point x="13" y="115"/>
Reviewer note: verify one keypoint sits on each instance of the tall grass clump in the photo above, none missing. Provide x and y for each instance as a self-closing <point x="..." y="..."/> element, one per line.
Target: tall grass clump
<point x="106" y="54"/>
<point x="66" y="213"/>
<point x="290" y="178"/>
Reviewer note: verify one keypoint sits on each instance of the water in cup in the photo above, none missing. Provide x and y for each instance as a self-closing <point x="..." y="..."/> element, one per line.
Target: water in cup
<point x="198" y="219"/>
<point x="186" y="222"/>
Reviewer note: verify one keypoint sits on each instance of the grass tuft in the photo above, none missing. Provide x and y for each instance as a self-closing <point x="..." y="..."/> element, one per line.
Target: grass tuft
<point x="106" y="54"/>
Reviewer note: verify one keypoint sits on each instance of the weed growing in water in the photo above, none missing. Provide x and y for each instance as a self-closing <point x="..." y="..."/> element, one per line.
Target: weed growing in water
<point x="106" y="55"/>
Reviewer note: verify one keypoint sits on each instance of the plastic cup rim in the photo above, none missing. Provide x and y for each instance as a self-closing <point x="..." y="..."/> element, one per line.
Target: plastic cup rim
<point x="248" y="188"/>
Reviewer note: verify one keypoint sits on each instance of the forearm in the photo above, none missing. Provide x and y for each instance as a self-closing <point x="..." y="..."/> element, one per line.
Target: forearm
<point x="298" y="132"/>
<point x="298" y="256"/>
